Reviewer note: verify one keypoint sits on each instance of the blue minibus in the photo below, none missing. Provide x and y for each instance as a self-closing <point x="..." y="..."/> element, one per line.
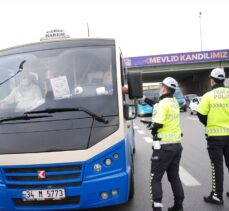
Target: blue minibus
<point x="71" y="147"/>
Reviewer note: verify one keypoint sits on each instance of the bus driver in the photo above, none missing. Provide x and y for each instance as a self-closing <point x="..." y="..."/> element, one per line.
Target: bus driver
<point x="25" y="96"/>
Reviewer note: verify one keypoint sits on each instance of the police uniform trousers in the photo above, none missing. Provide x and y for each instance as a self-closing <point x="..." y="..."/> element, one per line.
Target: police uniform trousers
<point x="167" y="159"/>
<point x="218" y="147"/>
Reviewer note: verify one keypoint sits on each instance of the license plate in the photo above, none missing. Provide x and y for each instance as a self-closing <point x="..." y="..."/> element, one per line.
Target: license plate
<point x="40" y="195"/>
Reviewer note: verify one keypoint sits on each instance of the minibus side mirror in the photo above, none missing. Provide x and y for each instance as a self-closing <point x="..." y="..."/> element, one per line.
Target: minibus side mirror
<point x="130" y="111"/>
<point x="134" y="80"/>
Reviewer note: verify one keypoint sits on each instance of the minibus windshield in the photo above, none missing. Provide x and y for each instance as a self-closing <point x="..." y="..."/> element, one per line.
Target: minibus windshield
<point x="68" y="77"/>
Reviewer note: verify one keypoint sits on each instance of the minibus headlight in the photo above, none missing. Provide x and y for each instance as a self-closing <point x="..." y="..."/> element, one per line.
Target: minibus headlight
<point x="108" y="162"/>
<point x="97" y="167"/>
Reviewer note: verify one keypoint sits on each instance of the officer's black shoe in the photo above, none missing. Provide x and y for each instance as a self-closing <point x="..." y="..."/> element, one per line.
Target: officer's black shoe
<point x="157" y="209"/>
<point x="213" y="199"/>
<point x="176" y="208"/>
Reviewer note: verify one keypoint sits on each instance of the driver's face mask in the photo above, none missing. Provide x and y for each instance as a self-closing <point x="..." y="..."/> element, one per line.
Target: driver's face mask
<point x="25" y="82"/>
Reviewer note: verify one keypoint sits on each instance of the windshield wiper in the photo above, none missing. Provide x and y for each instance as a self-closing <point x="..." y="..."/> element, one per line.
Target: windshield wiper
<point x="23" y="117"/>
<point x="19" y="70"/>
<point x="69" y="109"/>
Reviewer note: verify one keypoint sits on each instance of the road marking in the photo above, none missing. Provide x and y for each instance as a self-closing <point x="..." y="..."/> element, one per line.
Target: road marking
<point x="148" y="140"/>
<point x="187" y="178"/>
<point x="141" y="132"/>
<point x="193" y="118"/>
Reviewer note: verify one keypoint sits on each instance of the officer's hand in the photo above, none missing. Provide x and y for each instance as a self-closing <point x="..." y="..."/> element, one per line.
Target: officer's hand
<point x="153" y="132"/>
<point x="149" y="126"/>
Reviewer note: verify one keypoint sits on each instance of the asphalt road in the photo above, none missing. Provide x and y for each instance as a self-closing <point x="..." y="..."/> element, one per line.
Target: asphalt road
<point x="195" y="171"/>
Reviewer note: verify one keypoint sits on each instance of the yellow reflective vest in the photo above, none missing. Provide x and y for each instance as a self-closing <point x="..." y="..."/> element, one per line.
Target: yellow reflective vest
<point x="167" y="112"/>
<point x="215" y="104"/>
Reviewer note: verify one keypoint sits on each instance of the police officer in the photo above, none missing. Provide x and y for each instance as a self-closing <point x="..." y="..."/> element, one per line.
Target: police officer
<point x="167" y="148"/>
<point x="213" y="112"/>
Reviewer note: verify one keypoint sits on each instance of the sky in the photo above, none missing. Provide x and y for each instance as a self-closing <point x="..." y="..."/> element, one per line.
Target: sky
<point x="141" y="27"/>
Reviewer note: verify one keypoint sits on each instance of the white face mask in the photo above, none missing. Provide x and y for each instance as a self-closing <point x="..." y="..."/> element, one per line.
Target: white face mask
<point x="25" y="82"/>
